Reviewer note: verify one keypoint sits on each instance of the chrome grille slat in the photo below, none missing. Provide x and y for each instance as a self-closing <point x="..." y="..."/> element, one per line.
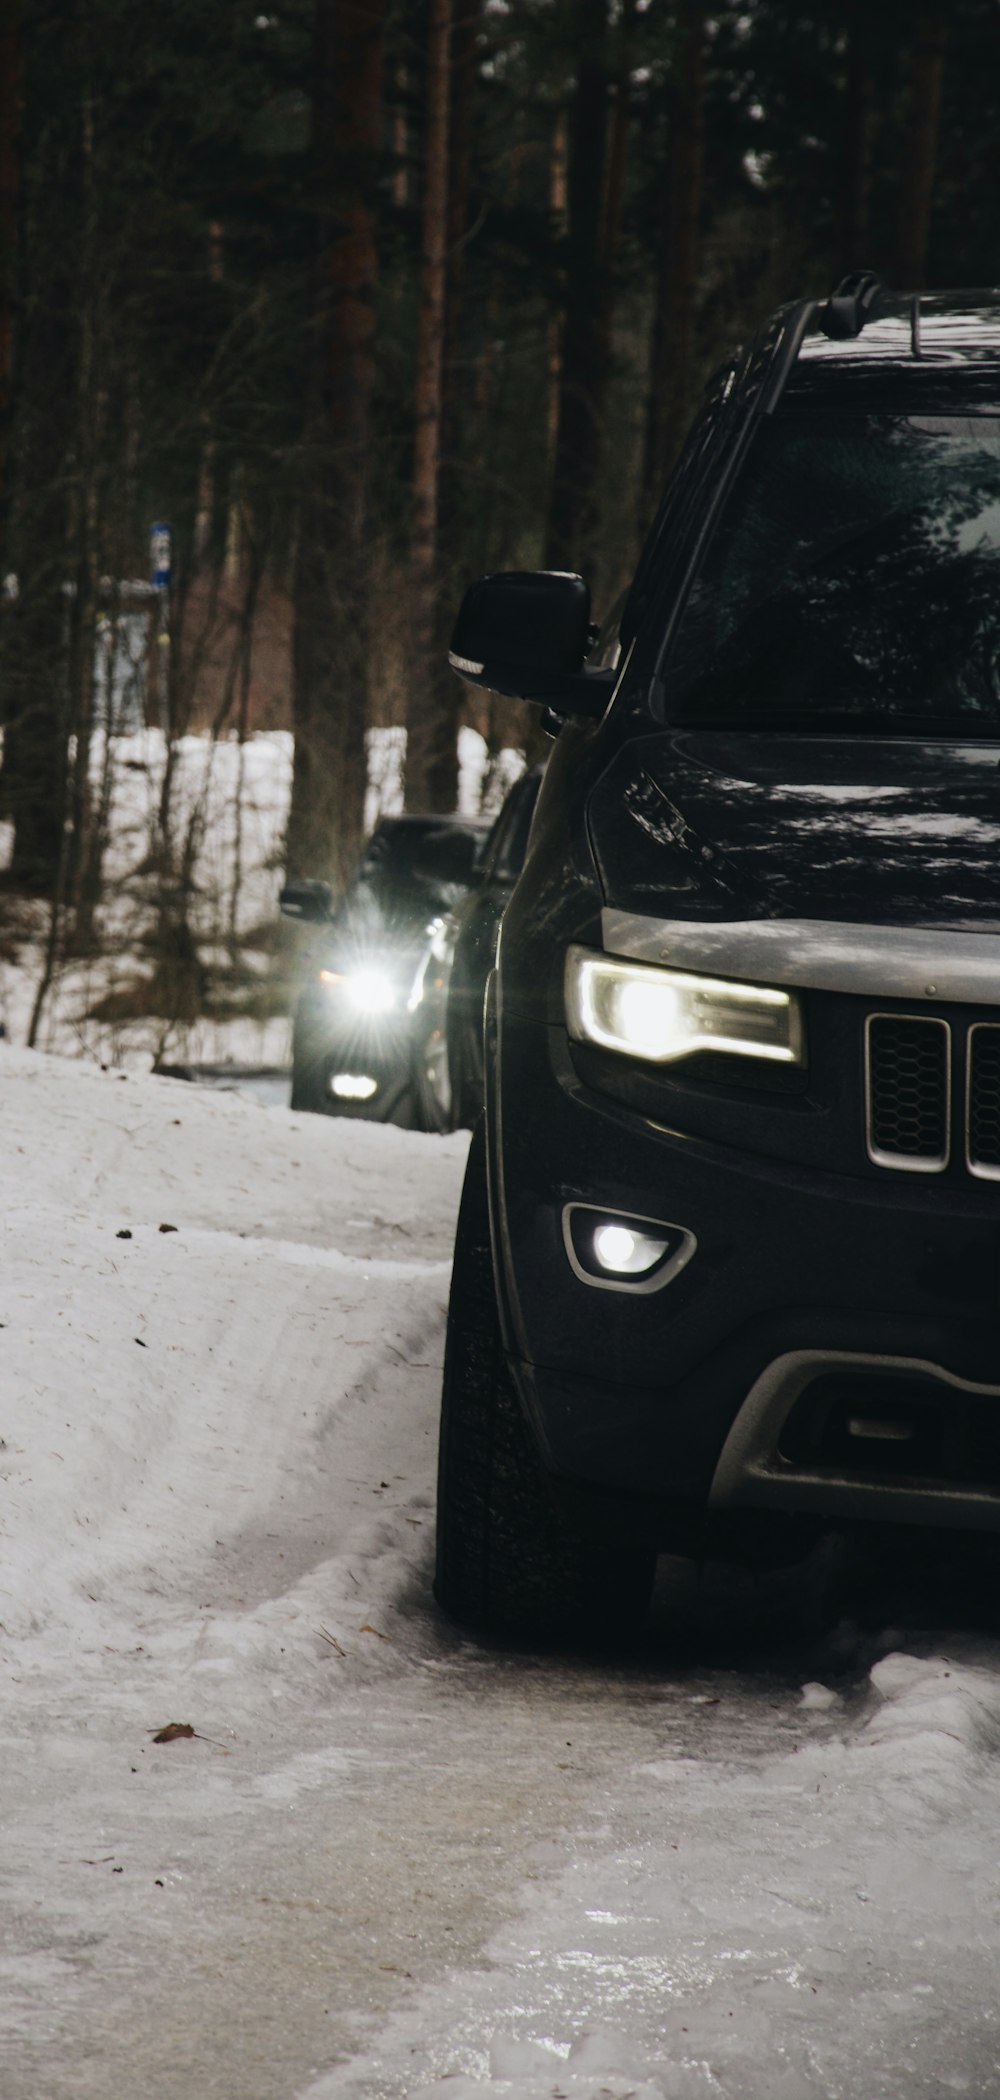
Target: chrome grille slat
<point x="908" y="1092"/>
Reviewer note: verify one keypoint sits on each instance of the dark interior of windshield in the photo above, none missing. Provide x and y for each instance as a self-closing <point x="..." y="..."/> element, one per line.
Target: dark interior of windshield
<point x="855" y="571"/>
<point x="409" y="870"/>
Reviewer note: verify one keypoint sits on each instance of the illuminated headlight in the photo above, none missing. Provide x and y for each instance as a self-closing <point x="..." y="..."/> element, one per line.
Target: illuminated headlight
<point x="665" y="1015"/>
<point x="369" y="991"/>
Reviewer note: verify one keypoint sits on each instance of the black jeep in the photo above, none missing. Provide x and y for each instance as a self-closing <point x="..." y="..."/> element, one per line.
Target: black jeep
<point x="728" y="1260"/>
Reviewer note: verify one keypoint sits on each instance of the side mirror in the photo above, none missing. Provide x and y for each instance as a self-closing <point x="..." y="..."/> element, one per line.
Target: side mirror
<point x="525" y="634"/>
<point x="309" y="901"/>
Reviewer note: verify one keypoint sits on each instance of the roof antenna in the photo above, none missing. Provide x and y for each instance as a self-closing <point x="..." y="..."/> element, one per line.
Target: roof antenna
<point x="849" y="307"/>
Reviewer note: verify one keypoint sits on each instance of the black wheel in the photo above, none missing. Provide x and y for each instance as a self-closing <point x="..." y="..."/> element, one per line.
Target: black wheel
<point x="508" y="1561"/>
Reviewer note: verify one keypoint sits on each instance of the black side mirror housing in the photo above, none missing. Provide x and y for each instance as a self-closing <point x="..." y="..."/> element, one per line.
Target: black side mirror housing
<point x="308" y="901"/>
<point x="525" y="633"/>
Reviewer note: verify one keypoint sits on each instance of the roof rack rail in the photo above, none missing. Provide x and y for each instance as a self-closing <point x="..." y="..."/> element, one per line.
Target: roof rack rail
<point x="849" y="307"/>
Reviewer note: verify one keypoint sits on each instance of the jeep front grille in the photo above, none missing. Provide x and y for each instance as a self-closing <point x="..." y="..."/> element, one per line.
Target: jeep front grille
<point x="983" y="1101"/>
<point x="908" y="1092"/>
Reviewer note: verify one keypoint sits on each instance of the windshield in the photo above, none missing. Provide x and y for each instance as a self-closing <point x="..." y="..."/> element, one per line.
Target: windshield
<point x="412" y="869"/>
<point x="855" y="572"/>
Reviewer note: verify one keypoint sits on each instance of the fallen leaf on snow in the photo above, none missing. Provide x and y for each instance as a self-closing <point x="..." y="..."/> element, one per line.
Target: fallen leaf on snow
<point x="176" y="1731"/>
<point x="374" y="1629"/>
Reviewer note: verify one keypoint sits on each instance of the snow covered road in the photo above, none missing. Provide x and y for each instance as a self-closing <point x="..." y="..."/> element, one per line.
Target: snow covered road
<point x="756" y="1858"/>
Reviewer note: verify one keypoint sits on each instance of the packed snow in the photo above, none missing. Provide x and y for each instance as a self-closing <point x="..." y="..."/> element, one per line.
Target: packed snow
<point x="758" y="1855"/>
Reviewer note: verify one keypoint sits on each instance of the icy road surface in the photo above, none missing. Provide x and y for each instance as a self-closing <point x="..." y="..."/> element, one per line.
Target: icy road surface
<point x="760" y="1858"/>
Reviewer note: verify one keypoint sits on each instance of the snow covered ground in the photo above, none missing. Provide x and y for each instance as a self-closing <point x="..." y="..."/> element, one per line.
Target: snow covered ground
<point x="757" y="1857"/>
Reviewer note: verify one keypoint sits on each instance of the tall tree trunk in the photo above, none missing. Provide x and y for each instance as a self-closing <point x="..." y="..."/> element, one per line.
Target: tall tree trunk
<point x="400" y="137"/>
<point x="461" y="125"/>
<point x="431" y="757"/>
<point x="458" y="482"/>
<point x="558" y="201"/>
<point x="673" y="346"/>
<point x="920" y="147"/>
<point x="461" y="131"/>
<point x="33" y="780"/>
<point x="330" y="704"/>
<point x="10" y="141"/>
<point x="85" y="520"/>
<point x="582" y="381"/>
<point x="860" y="119"/>
<point x="617" y="153"/>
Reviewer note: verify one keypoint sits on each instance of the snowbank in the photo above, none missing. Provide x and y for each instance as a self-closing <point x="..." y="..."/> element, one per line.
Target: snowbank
<point x="196" y="1297"/>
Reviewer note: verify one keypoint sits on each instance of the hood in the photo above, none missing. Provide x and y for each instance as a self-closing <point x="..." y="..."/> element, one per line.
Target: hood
<point x="721" y="825"/>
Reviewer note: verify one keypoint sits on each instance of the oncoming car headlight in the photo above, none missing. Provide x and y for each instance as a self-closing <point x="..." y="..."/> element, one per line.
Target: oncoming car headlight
<point x="370" y="991"/>
<point x="665" y="1015"/>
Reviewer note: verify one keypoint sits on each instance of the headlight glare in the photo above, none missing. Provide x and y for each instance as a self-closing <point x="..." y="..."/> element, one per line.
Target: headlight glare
<point x="371" y="991"/>
<point x="665" y="1015"/>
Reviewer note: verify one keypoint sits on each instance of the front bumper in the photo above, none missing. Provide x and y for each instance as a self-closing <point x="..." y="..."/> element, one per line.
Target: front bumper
<point x="330" y="1042"/>
<point x="682" y="1398"/>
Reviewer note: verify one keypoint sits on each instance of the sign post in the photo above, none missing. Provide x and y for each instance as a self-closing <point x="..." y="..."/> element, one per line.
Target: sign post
<point x="160" y="549"/>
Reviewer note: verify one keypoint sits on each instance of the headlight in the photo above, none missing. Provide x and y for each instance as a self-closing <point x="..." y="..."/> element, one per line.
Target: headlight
<point x="664" y="1015"/>
<point x="369" y="991"/>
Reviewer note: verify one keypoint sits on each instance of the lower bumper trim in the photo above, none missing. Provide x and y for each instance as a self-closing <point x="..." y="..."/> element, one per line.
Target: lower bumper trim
<point x="753" y="1473"/>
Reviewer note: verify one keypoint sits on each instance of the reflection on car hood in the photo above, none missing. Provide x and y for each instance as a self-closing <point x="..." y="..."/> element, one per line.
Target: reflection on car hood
<point x="725" y="825"/>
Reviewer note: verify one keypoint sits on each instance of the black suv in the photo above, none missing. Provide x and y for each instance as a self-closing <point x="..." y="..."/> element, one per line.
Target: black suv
<point x="728" y="1259"/>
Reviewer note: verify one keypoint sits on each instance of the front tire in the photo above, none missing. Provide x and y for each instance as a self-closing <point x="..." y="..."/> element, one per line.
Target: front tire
<point x="508" y="1562"/>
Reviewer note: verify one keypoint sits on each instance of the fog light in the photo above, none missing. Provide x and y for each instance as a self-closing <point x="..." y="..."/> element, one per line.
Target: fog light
<point x="627" y="1253"/>
<point x="353" y="1086"/>
<point x="623" y="1253"/>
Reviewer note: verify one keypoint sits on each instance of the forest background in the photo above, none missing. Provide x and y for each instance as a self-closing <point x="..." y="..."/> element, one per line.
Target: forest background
<point x="363" y="298"/>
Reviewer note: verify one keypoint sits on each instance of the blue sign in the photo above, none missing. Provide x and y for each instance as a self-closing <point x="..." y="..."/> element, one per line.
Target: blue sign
<point x="160" y="539"/>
